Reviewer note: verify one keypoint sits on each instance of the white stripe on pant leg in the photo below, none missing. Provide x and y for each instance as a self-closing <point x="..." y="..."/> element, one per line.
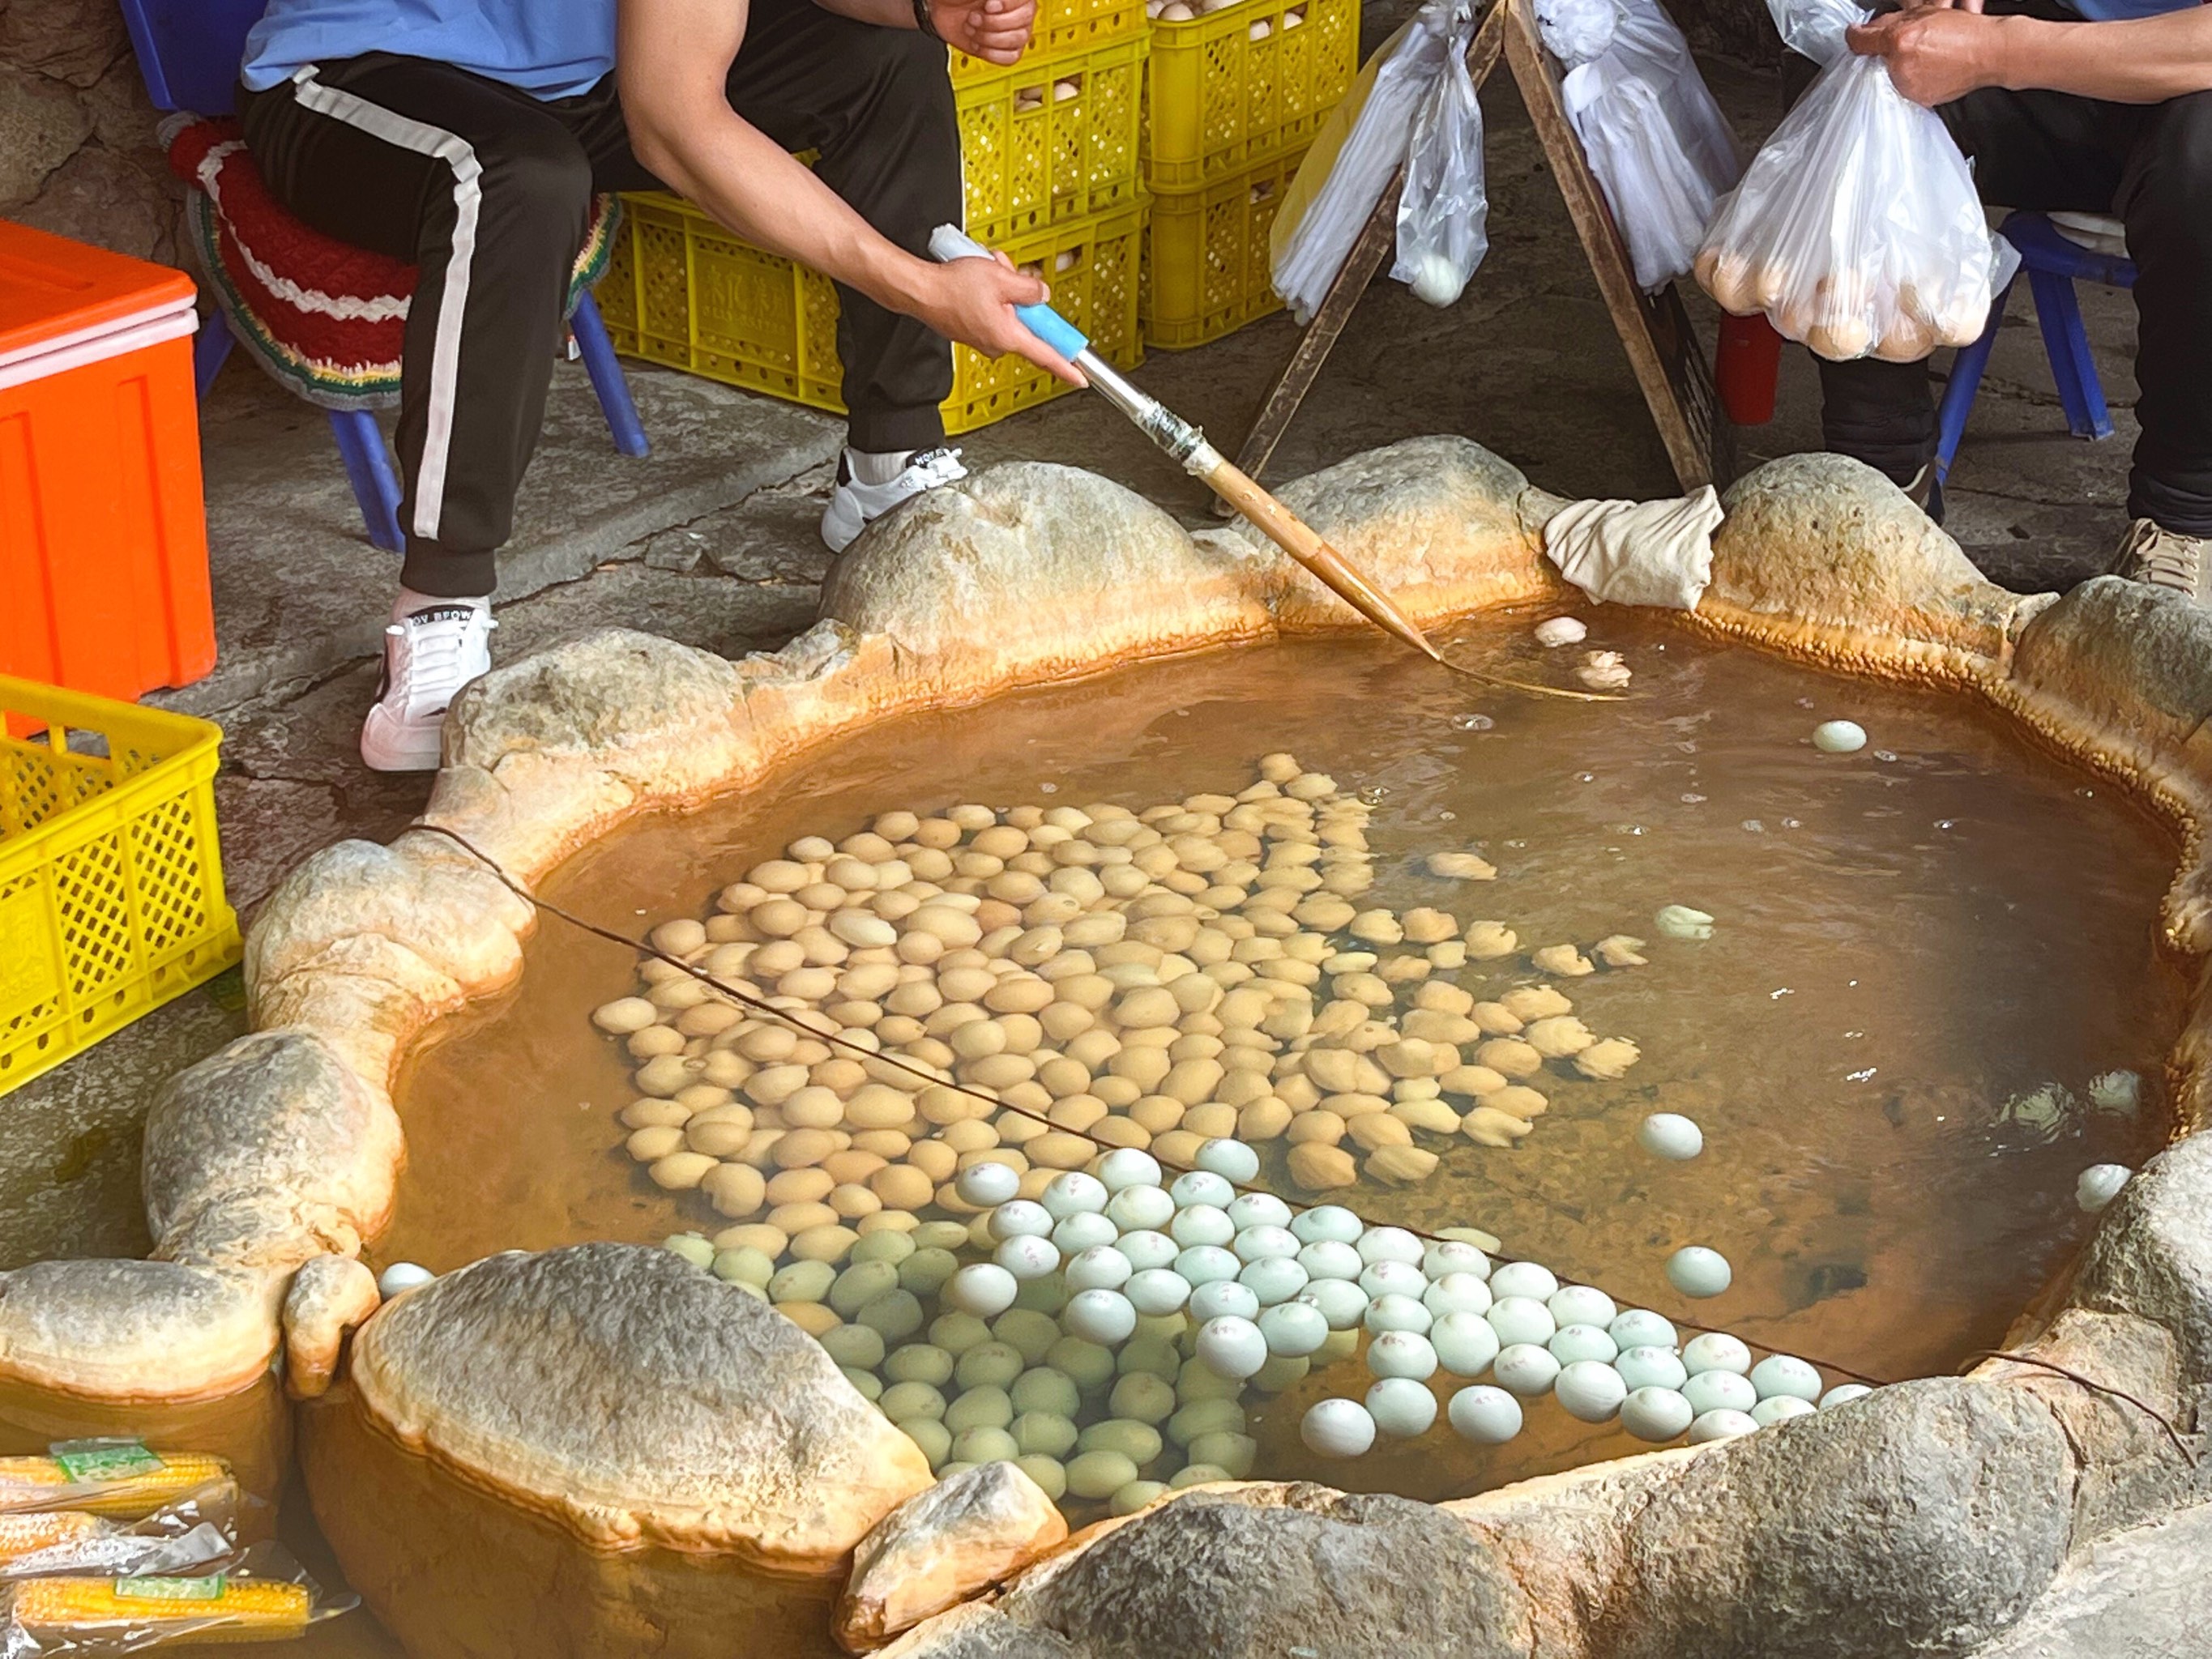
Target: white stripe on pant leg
<point x="446" y="352"/>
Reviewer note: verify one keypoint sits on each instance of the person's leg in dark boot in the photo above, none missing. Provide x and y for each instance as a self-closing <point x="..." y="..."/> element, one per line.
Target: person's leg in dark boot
<point x="1883" y="414"/>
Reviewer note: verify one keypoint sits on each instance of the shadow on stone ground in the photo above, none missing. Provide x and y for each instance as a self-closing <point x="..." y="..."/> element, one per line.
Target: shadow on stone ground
<point x="711" y="541"/>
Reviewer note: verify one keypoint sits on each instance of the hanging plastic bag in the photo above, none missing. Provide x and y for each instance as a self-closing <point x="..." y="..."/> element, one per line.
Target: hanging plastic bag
<point x="1358" y="147"/>
<point x="1856" y="229"/>
<point x="1658" y="143"/>
<point x="1443" y="210"/>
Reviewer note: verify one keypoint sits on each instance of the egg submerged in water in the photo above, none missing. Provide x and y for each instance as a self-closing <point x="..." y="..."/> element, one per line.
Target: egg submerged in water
<point x="403" y="1276"/>
<point x="1671" y="1136"/>
<point x="1839" y="737"/>
<point x="1697" y="1272"/>
<point x="2098" y="1185"/>
<point x="1337" y="1428"/>
<point x="1486" y="1416"/>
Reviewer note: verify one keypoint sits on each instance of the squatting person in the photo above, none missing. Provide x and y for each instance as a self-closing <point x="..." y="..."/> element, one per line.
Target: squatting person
<point x="2103" y="106"/>
<point x="469" y="137"/>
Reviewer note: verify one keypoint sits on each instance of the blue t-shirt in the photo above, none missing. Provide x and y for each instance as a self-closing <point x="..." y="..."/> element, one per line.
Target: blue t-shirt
<point x="548" y="48"/>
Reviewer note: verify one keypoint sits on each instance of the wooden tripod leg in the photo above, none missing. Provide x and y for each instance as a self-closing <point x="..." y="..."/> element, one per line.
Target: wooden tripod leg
<point x="1377" y="239"/>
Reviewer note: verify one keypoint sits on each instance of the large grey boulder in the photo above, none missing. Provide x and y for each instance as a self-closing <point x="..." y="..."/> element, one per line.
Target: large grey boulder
<point x="599" y="1449"/>
<point x="2144" y="1594"/>
<point x="269" y="1152"/>
<point x="1917" y="1520"/>
<point x="1258" y="1572"/>
<point x="2121" y="673"/>
<point x="1030" y="570"/>
<point x="2152" y="1254"/>
<point x="1440" y="523"/>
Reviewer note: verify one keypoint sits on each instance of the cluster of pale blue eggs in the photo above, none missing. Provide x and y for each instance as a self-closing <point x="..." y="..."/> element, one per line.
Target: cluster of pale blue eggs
<point x="1535" y="1336"/>
<point x="1264" y="1283"/>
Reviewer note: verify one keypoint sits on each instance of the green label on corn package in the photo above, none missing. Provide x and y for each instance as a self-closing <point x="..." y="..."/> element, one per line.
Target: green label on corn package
<point x="209" y="1589"/>
<point x="87" y="1461"/>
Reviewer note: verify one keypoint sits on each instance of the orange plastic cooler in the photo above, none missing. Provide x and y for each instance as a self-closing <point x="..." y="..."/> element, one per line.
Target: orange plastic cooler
<point x="103" y="536"/>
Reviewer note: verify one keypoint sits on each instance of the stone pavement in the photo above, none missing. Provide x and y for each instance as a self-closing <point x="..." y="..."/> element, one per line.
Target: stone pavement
<point x="711" y="541"/>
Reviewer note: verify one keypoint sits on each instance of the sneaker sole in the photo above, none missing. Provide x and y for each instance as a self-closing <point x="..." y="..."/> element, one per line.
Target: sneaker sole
<point x="388" y="746"/>
<point x="835" y="534"/>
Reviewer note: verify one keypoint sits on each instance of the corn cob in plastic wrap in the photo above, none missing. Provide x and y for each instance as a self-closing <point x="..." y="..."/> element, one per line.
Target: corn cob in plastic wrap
<point x="120" y="1477"/>
<point x="44" y="1534"/>
<point x="198" y="1533"/>
<point x="124" y="1615"/>
<point x="262" y="1595"/>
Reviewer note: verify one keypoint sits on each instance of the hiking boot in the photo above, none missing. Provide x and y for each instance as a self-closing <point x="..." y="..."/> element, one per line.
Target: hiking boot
<point x="2164" y="559"/>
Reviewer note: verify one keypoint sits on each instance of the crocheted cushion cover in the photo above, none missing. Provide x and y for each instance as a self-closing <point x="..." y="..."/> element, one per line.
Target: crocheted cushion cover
<point x="326" y="319"/>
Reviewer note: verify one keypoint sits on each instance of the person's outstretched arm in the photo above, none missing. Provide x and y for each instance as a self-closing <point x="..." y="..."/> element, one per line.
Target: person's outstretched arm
<point x="672" y="59"/>
<point x="1936" y="53"/>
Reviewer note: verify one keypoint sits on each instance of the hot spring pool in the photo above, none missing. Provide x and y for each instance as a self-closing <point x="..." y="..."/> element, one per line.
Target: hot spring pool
<point x="1922" y="957"/>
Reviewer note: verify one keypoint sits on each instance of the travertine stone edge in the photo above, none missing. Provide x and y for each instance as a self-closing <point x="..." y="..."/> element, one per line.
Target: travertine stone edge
<point x="279" y="1156"/>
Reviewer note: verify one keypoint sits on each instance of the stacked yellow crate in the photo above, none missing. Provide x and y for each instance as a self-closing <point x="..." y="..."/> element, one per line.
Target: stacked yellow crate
<point x="1232" y="99"/>
<point x="1049" y="154"/>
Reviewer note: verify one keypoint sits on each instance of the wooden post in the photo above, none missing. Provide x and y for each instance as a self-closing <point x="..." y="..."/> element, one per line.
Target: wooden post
<point x="1663" y="350"/>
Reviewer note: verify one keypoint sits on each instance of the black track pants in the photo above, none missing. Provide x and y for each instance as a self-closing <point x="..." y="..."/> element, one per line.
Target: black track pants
<point x="2150" y="165"/>
<point x="487" y="190"/>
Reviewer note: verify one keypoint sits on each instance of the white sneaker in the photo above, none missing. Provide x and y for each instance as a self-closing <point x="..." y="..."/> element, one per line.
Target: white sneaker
<point x="427" y="657"/>
<point x="853" y="506"/>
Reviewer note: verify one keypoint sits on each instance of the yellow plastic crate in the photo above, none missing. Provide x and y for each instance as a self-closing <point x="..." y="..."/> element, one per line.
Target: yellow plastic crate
<point x="1064" y="26"/>
<point x="1218" y="102"/>
<point x="111" y="884"/>
<point x="1206" y="266"/>
<point x="683" y="291"/>
<point x="1031" y="157"/>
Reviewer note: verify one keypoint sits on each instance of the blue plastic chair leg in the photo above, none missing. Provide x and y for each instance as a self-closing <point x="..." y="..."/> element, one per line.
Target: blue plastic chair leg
<point x="607" y="378"/>
<point x="210" y="352"/>
<point x="369" y="467"/>
<point x="1966" y="371"/>
<point x="2080" y="393"/>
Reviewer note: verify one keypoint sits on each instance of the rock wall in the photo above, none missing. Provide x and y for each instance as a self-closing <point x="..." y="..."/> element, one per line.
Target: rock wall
<point x="77" y="151"/>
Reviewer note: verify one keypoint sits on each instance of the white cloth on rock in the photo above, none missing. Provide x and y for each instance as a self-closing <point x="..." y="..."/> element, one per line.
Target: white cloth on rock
<point x="1655" y="553"/>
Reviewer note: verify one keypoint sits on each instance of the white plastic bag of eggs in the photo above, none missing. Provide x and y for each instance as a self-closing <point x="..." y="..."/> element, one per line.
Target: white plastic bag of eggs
<point x="1022" y="985"/>
<point x="1856" y="229"/>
